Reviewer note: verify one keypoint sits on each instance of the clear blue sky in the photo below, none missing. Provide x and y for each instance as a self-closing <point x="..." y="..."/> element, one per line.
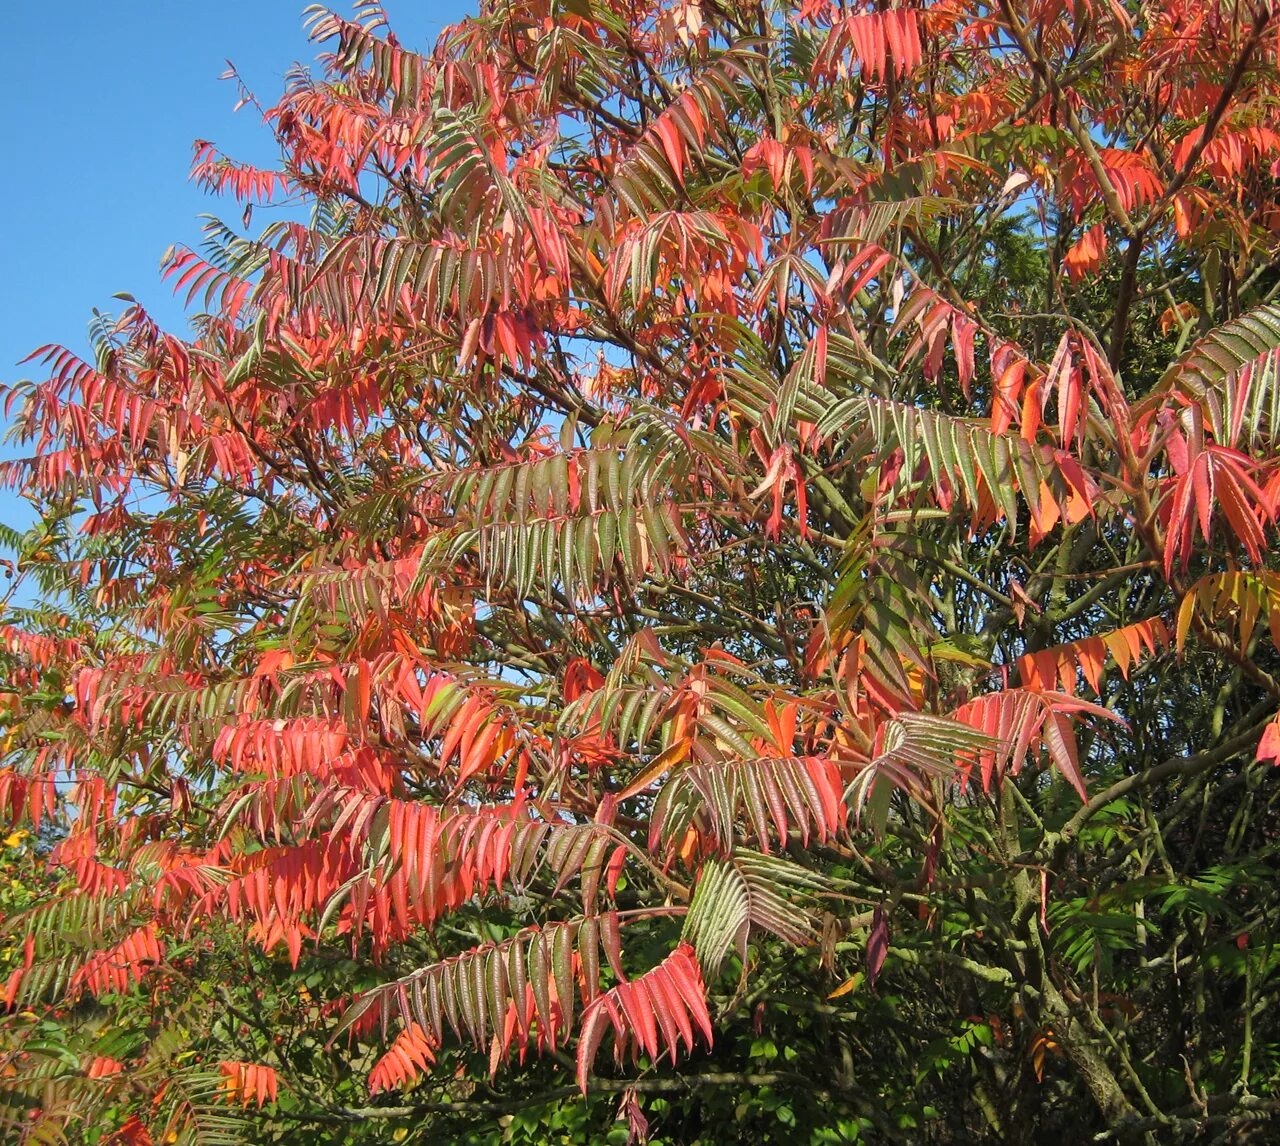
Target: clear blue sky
<point x="99" y="104"/>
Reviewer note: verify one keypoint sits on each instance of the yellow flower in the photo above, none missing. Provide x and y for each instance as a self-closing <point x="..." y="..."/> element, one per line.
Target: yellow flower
<point x="13" y="839"/>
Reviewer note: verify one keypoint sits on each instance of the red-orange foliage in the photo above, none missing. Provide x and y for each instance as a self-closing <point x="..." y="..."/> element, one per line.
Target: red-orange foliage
<point x="601" y="483"/>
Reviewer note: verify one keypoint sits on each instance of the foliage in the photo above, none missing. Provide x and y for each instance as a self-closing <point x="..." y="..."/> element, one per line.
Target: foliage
<point x="717" y="588"/>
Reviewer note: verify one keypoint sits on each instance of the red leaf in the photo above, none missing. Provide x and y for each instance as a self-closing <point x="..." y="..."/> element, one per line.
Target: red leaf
<point x="877" y="944"/>
<point x="1060" y="740"/>
<point x="1269" y="745"/>
<point x="1085" y="254"/>
<point x="594" y="1020"/>
<point x="648" y="1012"/>
<point x="249" y="1083"/>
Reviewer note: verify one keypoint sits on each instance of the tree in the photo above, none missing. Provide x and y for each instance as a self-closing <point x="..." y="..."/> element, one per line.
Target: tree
<point x="735" y="534"/>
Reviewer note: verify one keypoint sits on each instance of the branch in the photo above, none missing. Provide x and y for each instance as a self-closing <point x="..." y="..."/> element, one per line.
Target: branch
<point x="1078" y="131"/>
<point x="1216" y="1108"/>
<point x="1184" y="766"/>
<point x="343" y="1114"/>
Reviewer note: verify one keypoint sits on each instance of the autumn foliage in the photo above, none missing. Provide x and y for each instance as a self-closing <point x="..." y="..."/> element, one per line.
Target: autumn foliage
<point x="694" y="527"/>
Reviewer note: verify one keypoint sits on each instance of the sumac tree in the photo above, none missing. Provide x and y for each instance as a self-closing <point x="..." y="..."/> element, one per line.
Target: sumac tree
<point x="717" y="555"/>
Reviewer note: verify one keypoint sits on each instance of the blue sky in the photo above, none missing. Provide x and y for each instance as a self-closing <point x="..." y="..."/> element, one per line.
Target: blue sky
<point x="99" y="105"/>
